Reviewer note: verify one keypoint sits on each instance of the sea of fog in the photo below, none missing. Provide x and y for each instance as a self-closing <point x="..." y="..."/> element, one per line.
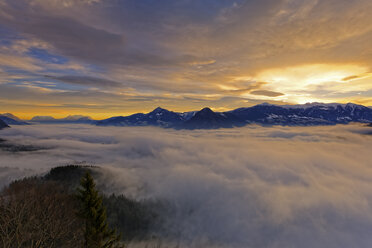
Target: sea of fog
<point x="260" y="187"/>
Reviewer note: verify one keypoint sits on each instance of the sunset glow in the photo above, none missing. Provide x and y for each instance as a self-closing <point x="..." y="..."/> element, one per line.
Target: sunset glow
<point x="104" y="58"/>
<point x="186" y="123"/>
<point x="296" y="81"/>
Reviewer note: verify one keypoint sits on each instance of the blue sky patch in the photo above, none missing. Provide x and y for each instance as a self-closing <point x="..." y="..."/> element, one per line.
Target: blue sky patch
<point x="45" y="56"/>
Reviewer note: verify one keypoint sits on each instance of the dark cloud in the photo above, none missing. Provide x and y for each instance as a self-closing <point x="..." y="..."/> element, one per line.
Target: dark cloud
<point x="88" y="81"/>
<point x="70" y="35"/>
<point x="72" y="38"/>
<point x="266" y="93"/>
<point x="350" y="78"/>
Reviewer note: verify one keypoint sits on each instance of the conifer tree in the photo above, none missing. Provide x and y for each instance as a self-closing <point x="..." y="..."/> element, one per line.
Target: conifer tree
<point x="97" y="233"/>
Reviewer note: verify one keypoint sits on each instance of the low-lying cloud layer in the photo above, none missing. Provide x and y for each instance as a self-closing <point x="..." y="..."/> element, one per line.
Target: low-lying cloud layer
<point x="245" y="187"/>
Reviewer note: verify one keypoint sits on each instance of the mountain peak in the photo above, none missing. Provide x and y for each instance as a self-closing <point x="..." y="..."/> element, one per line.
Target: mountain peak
<point x="206" y="110"/>
<point x="158" y="110"/>
<point x="77" y="117"/>
<point x="265" y="104"/>
<point x="9" y="115"/>
<point x="207" y="119"/>
<point x="205" y="113"/>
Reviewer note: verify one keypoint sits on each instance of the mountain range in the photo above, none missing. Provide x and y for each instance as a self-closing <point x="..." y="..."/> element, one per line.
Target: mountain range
<point x="10" y="119"/>
<point x="71" y="119"/>
<point x="157" y="117"/>
<point x="263" y="114"/>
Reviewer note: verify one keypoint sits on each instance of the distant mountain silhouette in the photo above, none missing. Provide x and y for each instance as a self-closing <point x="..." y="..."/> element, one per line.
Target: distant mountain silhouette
<point x="3" y="124"/>
<point x="207" y="119"/>
<point x="71" y="119"/>
<point x="264" y="114"/>
<point x="11" y="119"/>
<point x="157" y="117"/>
<point x="11" y="116"/>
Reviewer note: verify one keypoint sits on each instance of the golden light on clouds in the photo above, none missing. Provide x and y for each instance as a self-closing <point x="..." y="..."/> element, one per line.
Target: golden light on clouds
<point x="294" y="81"/>
<point x="105" y="58"/>
<point x="298" y="77"/>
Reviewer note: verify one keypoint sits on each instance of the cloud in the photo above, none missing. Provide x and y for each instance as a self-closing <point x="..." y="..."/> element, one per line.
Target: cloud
<point x="191" y="48"/>
<point x="64" y="3"/>
<point x="71" y="36"/>
<point x="77" y="40"/>
<point x="246" y="187"/>
<point x="350" y="78"/>
<point x="87" y="81"/>
<point x="19" y="62"/>
<point x="266" y="93"/>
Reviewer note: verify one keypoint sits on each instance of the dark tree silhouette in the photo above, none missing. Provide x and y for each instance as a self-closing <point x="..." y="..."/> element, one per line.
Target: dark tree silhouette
<point x="97" y="233"/>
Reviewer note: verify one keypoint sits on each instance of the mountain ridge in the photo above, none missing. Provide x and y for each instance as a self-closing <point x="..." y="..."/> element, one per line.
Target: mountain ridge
<point x="78" y="119"/>
<point x="264" y="114"/>
<point x="11" y="119"/>
<point x="308" y="114"/>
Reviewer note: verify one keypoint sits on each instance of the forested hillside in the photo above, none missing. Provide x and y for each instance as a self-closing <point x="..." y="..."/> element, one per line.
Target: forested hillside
<point x="42" y="211"/>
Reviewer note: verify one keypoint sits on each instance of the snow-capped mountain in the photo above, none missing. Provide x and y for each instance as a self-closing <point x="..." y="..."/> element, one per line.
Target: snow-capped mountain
<point x="266" y="114"/>
<point x="188" y="115"/>
<point x="307" y="114"/>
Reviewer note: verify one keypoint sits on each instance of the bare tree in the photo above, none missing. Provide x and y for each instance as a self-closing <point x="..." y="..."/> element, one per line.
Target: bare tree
<point x="35" y="213"/>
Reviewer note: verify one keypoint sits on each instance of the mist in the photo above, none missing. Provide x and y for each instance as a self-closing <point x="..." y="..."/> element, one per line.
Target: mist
<point x="243" y="187"/>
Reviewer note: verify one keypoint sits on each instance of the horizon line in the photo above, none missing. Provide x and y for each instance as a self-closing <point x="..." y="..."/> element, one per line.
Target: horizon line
<point x="149" y="111"/>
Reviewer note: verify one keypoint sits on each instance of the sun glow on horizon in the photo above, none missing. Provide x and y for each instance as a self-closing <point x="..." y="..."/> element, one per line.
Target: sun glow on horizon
<point x="313" y="74"/>
<point x="292" y="81"/>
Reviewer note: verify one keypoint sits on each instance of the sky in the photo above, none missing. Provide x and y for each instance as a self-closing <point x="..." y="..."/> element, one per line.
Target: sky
<point x="246" y="187"/>
<point x="116" y="57"/>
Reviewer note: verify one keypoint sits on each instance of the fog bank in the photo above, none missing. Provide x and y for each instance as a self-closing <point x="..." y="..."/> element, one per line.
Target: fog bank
<point x="244" y="187"/>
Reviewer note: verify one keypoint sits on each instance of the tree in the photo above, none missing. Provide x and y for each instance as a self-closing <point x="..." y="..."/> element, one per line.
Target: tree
<point x="36" y="213"/>
<point x="97" y="233"/>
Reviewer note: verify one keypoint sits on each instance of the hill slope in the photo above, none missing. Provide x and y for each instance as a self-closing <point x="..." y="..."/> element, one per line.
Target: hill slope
<point x="3" y="124"/>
